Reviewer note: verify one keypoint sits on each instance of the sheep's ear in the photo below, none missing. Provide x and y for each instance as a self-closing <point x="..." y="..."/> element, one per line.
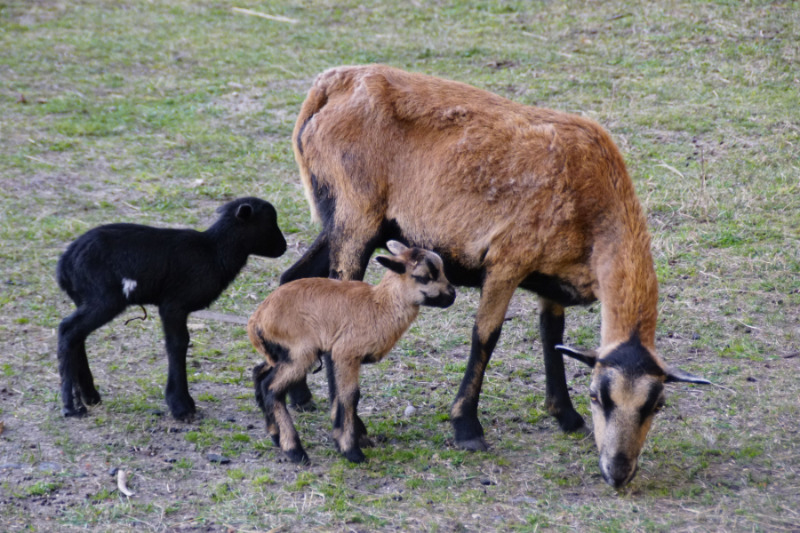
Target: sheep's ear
<point x="396" y="247"/>
<point x="391" y="263"/>
<point x="675" y="375"/>
<point x="244" y="212"/>
<point x="588" y="357"/>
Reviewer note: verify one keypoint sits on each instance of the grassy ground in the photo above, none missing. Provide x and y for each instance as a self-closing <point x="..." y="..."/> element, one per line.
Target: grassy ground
<point x="160" y="111"/>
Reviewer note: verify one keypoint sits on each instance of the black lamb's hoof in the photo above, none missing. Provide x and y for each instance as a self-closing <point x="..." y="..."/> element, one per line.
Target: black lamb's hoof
<point x="78" y="412"/>
<point x="184" y="410"/>
<point x="92" y="398"/>
<point x="185" y="415"/>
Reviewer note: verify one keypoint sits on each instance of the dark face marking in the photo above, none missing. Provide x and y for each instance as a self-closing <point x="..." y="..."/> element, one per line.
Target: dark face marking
<point x="433" y="270"/>
<point x="633" y="359"/>
<point x="654" y="401"/>
<point x="605" y="397"/>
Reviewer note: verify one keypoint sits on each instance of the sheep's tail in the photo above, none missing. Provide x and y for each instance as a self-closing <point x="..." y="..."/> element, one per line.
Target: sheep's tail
<point x="64" y="281"/>
<point x="329" y="82"/>
<point x="317" y="97"/>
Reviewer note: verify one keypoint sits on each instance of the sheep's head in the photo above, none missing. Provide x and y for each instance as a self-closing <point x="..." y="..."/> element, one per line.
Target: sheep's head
<point x="424" y="272"/>
<point x="257" y="222"/>
<point x="626" y="392"/>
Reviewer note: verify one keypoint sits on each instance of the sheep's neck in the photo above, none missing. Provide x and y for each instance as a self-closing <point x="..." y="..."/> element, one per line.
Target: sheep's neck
<point x="230" y="257"/>
<point x="628" y="290"/>
<point x="394" y="305"/>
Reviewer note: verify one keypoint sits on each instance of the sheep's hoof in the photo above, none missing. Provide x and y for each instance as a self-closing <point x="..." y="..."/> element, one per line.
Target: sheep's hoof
<point x="572" y="423"/>
<point x="298" y="456"/>
<point x="305" y="407"/>
<point x="365" y="442"/>
<point x="91" y="398"/>
<point x="355" y="455"/>
<point x="73" y="412"/>
<point x="478" y="444"/>
<point x="187" y="416"/>
<point x="183" y="411"/>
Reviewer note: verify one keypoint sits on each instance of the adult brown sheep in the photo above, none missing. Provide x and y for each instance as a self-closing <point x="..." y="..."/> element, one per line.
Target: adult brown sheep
<point x="509" y="196"/>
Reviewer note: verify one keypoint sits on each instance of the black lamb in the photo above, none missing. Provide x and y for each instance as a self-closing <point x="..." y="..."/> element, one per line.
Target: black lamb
<point x="180" y="270"/>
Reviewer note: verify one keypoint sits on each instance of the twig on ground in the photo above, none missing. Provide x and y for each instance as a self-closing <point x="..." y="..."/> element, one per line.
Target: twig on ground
<point x="122" y="483"/>
<point x="277" y="18"/>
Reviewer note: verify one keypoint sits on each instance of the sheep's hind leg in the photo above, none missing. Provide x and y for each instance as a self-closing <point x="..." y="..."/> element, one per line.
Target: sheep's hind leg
<point x="274" y="395"/>
<point x="262" y="379"/>
<point x="77" y="382"/>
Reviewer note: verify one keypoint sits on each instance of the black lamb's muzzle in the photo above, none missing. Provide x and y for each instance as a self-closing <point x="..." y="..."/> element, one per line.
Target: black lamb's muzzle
<point x="278" y="248"/>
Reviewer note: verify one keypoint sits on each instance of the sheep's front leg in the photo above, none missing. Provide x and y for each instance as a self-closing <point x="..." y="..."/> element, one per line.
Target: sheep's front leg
<point x="361" y="430"/>
<point x="495" y="295"/>
<point x="348" y="429"/>
<point x="180" y="403"/>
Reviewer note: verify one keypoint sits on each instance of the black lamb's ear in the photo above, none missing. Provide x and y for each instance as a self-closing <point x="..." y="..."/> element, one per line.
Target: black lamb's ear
<point x="588" y="357"/>
<point x="244" y="212"/>
<point x="391" y="263"/>
<point x="676" y="375"/>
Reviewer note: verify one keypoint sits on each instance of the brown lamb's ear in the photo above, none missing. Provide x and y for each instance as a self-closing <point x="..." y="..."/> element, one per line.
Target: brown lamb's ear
<point x="396" y="247"/>
<point x="391" y="263"/>
<point x="588" y="357"/>
<point x="676" y="375"/>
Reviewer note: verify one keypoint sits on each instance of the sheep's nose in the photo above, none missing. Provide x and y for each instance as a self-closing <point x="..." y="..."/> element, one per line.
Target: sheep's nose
<point x="619" y="471"/>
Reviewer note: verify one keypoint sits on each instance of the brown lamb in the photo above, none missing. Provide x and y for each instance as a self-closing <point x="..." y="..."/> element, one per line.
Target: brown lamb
<point x="348" y="323"/>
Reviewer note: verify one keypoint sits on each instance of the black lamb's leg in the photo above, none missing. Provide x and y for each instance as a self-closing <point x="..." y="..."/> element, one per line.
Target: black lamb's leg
<point x="77" y="382"/>
<point x="180" y="403"/>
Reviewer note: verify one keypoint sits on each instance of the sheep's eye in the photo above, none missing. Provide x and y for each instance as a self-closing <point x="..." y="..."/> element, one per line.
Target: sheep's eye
<point x="422" y="279"/>
<point x="659" y="406"/>
<point x="593" y="398"/>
